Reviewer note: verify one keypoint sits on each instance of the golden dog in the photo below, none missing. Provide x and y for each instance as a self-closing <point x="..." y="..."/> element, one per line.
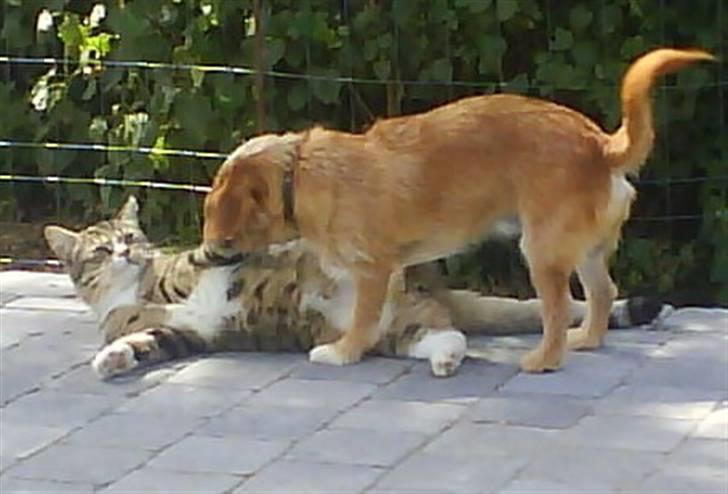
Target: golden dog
<point x="424" y="186"/>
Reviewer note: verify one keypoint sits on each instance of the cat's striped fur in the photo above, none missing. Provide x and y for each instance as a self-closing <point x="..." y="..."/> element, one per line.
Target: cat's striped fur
<point x="155" y="307"/>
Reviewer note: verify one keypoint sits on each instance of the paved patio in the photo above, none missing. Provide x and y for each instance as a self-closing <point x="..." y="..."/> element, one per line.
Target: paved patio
<point x="649" y="414"/>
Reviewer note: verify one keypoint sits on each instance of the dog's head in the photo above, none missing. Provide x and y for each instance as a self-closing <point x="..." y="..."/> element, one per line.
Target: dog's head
<point x="244" y="210"/>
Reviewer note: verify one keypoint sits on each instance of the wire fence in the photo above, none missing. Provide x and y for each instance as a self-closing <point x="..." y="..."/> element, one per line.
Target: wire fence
<point x="58" y="145"/>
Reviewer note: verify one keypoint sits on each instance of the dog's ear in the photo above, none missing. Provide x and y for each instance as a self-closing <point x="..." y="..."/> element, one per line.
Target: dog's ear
<point x="60" y="240"/>
<point x="238" y="206"/>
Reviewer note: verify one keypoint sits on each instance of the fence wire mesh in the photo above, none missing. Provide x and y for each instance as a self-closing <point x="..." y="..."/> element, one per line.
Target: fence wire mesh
<point x="60" y="148"/>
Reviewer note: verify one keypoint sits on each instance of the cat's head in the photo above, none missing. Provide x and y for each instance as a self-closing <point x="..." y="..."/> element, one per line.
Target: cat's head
<point x="106" y="260"/>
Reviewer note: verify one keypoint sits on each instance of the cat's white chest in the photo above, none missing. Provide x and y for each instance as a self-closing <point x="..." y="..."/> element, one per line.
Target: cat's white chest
<point x="207" y="307"/>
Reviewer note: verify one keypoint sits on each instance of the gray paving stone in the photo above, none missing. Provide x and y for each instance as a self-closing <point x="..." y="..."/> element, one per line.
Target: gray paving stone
<point x="711" y="347"/>
<point x="550" y="412"/>
<point x="21" y="440"/>
<point x="186" y="401"/>
<point x="293" y="477"/>
<point x="84" y="380"/>
<point x="10" y="485"/>
<point x="657" y="434"/>
<point x="660" y="401"/>
<point x="18" y="380"/>
<point x="699" y="373"/>
<point x="57" y="409"/>
<point x="16" y="325"/>
<point x="474" y="380"/>
<point x="698" y="320"/>
<point x="584" y="375"/>
<point x="411" y="416"/>
<point x="714" y="426"/>
<point x="588" y="469"/>
<point x="70" y="304"/>
<point x="6" y="297"/>
<point x="466" y="440"/>
<point x="80" y="464"/>
<point x="427" y="473"/>
<point x="698" y="457"/>
<point x="148" y="480"/>
<point x="279" y="422"/>
<point x="372" y="370"/>
<point x="237" y="371"/>
<point x="519" y="486"/>
<point x="231" y="455"/>
<point x="356" y="447"/>
<point x="670" y="483"/>
<point x="313" y="393"/>
<point x="36" y="283"/>
<point x="134" y="431"/>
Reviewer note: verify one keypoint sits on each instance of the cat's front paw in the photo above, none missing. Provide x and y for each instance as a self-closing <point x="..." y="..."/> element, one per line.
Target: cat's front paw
<point x="114" y="359"/>
<point x="447" y="357"/>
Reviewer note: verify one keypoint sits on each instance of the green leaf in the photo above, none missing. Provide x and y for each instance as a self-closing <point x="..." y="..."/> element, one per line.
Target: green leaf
<point x="474" y="6"/>
<point x="580" y="17"/>
<point x="382" y="69"/>
<point x="71" y="32"/>
<point x="274" y="50"/>
<point x="586" y="53"/>
<point x="441" y="70"/>
<point x="90" y="90"/>
<point x="491" y="48"/>
<point x="563" y="39"/>
<point x="506" y="9"/>
<point x="297" y="96"/>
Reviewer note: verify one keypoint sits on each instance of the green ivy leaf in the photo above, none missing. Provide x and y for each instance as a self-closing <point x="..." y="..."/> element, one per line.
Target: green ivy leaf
<point x="580" y="17"/>
<point x="563" y="39"/>
<point x="274" y="50"/>
<point x="382" y="68"/>
<point x="441" y="70"/>
<point x="506" y="9"/>
<point x="474" y="6"/>
<point x="586" y="53"/>
<point x="297" y="96"/>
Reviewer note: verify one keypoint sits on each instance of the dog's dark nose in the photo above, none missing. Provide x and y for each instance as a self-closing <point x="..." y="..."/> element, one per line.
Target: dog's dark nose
<point x="227" y="243"/>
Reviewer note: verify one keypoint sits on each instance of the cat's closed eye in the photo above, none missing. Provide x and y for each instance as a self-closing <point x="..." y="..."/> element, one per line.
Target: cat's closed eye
<point x="102" y="250"/>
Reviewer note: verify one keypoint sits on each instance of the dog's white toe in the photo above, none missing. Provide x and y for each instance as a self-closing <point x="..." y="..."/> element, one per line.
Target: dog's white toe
<point x="326" y="354"/>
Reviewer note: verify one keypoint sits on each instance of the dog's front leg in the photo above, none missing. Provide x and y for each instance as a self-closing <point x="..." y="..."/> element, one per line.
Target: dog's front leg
<point x="371" y="293"/>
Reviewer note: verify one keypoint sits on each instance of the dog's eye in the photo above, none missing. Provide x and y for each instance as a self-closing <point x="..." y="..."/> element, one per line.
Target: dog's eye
<point x="128" y="238"/>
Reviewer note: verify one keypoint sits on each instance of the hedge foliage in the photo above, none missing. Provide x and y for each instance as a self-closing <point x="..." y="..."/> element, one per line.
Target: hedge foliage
<point x="403" y="56"/>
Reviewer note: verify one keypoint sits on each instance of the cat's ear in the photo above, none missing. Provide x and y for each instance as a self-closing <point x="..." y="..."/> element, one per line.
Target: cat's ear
<point x="129" y="212"/>
<point x="60" y="240"/>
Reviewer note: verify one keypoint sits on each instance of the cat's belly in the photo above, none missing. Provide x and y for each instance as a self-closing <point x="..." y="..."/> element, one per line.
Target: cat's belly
<point x="208" y="306"/>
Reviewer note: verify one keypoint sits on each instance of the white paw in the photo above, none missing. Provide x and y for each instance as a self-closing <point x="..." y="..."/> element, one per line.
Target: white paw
<point x="326" y="354"/>
<point x="446" y="361"/>
<point x="445" y="350"/>
<point x="115" y="358"/>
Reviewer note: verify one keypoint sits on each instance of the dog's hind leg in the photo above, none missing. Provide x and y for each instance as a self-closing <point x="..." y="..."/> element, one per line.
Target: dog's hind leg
<point x="600" y="293"/>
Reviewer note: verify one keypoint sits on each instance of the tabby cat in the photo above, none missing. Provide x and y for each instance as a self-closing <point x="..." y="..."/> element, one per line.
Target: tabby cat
<point x="155" y="306"/>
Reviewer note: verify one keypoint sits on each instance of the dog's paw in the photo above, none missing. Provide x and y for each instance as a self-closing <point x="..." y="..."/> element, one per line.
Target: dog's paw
<point x="332" y="354"/>
<point x="114" y="359"/>
<point x="580" y="339"/>
<point x="538" y="360"/>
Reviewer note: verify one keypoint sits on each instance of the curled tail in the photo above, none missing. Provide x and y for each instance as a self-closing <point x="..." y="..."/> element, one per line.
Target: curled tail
<point x="477" y="314"/>
<point x="628" y="148"/>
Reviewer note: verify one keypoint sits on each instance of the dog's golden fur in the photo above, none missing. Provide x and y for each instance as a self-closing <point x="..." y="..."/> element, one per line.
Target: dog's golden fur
<point x="420" y="187"/>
